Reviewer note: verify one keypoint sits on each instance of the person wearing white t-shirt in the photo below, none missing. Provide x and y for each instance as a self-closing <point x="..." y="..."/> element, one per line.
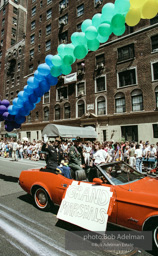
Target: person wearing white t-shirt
<point x="152" y="156"/>
<point x="100" y="155"/>
<point x="14" y="149"/>
<point x="138" y="156"/>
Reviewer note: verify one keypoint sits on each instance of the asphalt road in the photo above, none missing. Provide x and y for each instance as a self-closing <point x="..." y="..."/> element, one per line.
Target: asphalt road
<point x="25" y="230"/>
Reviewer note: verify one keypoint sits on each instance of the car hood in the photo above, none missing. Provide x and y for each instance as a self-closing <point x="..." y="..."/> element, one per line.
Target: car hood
<point x="142" y="192"/>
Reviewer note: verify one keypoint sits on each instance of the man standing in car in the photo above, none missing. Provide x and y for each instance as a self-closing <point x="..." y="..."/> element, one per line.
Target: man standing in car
<point x="54" y="157"/>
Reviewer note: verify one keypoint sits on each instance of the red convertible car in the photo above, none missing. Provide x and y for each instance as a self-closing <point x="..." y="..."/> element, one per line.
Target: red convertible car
<point x="136" y="195"/>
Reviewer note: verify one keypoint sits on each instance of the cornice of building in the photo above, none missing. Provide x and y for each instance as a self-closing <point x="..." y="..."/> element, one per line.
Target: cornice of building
<point x="15" y="47"/>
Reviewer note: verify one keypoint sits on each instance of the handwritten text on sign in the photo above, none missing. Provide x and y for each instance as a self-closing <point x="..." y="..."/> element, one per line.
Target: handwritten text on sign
<point x="86" y="206"/>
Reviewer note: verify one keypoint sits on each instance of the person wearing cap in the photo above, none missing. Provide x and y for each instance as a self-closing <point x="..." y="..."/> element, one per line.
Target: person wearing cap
<point x="54" y="157"/>
<point x="75" y="158"/>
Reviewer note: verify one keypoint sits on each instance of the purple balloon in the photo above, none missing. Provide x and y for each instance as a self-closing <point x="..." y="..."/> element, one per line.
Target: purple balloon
<point x="5" y="103"/>
<point x="5" y="115"/>
<point x="2" y="109"/>
<point x="8" y="128"/>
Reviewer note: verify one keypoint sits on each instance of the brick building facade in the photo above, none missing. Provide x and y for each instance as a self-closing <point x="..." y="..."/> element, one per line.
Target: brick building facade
<point x="114" y="89"/>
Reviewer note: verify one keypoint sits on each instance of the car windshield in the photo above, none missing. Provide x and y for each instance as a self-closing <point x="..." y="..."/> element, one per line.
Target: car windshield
<point x="120" y="173"/>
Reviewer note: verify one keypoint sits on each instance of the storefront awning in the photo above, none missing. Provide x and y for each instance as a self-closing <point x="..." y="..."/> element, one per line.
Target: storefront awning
<point x="10" y="134"/>
<point x="53" y="130"/>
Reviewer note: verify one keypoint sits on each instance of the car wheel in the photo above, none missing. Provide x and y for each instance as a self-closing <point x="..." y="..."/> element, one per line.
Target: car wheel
<point x="155" y="237"/>
<point x="41" y="199"/>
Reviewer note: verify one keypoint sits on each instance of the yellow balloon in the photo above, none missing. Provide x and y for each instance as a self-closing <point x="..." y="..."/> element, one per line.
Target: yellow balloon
<point x="150" y="9"/>
<point x="133" y="17"/>
<point x="137" y="3"/>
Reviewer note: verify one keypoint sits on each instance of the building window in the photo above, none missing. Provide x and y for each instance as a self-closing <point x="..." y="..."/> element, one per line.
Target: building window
<point x="40" y="33"/>
<point x="46" y="114"/>
<point x="79" y="27"/>
<point x="19" y="66"/>
<point x="48" y="29"/>
<point x="80" y="89"/>
<point x="2" y="32"/>
<point x="33" y="11"/>
<point x="40" y="18"/>
<point x="15" y="10"/>
<point x="33" y="1"/>
<point x="28" y="135"/>
<point x="31" y="54"/>
<point x="67" y="113"/>
<point x="57" y="112"/>
<point x="4" y="11"/>
<point x="49" y="14"/>
<point x="126" y="52"/>
<point x="100" y="84"/>
<point x="33" y="24"/>
<point x="154" y="20"/>
<point x="63" y="37"/>
<point x="155" y="130"/>
<point x="80" y="10"/>
<point x="101" y="106"/>
<point x="137" y="100"/>
<point x="156" y="96"/>
<point x="49" y="1"/>
<point x="41" y="3"/>
<point x="154" y="43"/>
<point x="15" y="21"/>
<point x="13" y="32"/>
<point x="36" y="116"/>
<point x="3" y="21"/>
<point x="39" y="48"/>
<point x="127" y="77"/>
<point x="48" y="45"/>
<point x="32" y="39"/>
<point x="120" y="105"/>
<point x="62" y="93"/>
<point x="63" y="4"/>
<point x="154" y="68"/>
<point x="12" y="41"/>
<point x="63" y="20"/>
<point x="0" y="54"/>
<point x="129" y="29"/>
<point x="100" y="60"/>
<point x="31" y="68"/>
<point x="46" y="98"/>
<point x="29" y="118"/>
<point x="81" y="108"/>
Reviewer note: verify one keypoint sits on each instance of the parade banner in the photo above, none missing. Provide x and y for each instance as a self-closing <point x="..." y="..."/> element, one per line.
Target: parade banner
<point x="87" y="206"/>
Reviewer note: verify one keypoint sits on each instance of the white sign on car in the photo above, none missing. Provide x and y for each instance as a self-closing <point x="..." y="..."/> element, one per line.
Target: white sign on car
<point x="86" y="205"/>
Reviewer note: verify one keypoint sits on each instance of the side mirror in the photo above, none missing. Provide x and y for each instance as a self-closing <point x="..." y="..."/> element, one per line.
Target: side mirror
<point x="97" y="181"/>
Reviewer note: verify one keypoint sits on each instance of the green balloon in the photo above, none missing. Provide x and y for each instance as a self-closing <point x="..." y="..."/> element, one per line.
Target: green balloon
<point x="91" y="33"/>
<point x="57" y="60"/>
<point x="85" y="24"/>
<point x="60" y="49"/>
<point x="66" y="69"/>
<point x="68" y="60"/>
<point x="104" y="29"/>
<point x="93" y="45"/>
<point x="102" y="39"/>
<point x="96" y="20"/>
<point x="118" y="21"/>
<point x="80" y="51"/>
<point x="55" y="71"/>
<point x="119" y="31"/>
<point x="79" y="38"/>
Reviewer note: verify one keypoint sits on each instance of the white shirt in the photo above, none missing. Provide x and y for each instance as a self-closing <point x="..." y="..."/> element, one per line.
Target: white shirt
<point x="138" y="153"/>
<point x="100" y="156"/>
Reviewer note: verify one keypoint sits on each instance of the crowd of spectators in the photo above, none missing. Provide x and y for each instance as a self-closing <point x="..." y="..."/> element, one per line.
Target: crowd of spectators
<point x="133" y="153"/>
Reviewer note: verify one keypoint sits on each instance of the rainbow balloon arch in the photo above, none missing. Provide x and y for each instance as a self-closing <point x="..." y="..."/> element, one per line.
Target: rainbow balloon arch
<point x="95" y="31"/>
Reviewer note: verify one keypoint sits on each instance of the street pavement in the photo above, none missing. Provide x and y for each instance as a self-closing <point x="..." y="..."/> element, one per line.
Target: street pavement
<point x="25" y="230"/>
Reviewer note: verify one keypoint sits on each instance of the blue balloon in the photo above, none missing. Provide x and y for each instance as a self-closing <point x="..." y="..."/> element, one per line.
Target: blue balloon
<point x="48" y="60"/>
<point x="20" y="119"/>
<point x="38" y="76"/>
<point x="44" y="86"/>
<point x="51" y="80"/>
<point x="12" y="110"/>
<point x="33" y="98"/>
<point x="16" y="126"/>
<point x="28" y="106"/>
<point x="31" y="82"/>
<point x="39" y="99"/>
<point x="43" y="69"/>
